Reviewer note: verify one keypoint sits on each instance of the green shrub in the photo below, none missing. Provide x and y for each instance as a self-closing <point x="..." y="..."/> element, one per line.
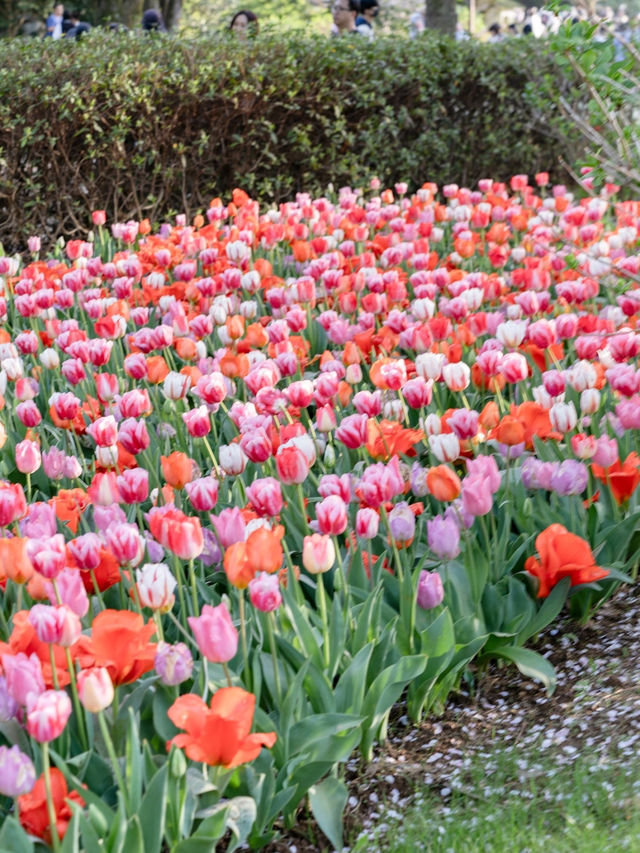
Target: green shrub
<point x="146" y="126"/>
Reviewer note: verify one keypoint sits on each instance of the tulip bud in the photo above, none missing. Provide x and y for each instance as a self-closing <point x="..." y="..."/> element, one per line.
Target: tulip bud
<point x="47" y="715"/>
<point x="174" y="664"/>
<point x="215" y="633"/>
<point x="95" y="688"/>
<point x="430" y="590"/>
<point x="155" y="585"/>
<point x="318" y="553"/>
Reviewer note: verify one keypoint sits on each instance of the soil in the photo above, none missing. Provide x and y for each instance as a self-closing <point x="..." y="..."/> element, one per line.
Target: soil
<point x="595" y="709"/>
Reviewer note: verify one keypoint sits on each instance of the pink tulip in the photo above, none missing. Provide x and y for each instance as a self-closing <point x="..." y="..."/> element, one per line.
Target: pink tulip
<point x="203" y="493"/>
<point x="214" y="633"/>
<point x="265" y="496"/>
<point x="70" y="590"/>
<point x="318" y="553"/>
<point x="133" y="436"/>
<point x="47" y="715"/>
<point x="133" y="485"/>
<point x="48" y="555"/>
<point x="28" y="457"/>
<point x="85" y="550"/>
<point x="367" y="523"/>
<point x="264" y="592"/>
<point x="24" y="676"/>
<point x="55" y="624"/>
<point x="331" y="514"/>
<point x="155" y="585"/>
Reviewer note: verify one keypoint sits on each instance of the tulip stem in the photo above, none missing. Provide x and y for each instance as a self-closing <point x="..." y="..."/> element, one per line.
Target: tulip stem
<point x="54" y="671"/>
<point x="396" y="555"/>
<point x="212" y="455"/>
<point x="302" y="506"/>
<point x="51" y="811"/>
<point x="227" y="674"/>
<point x="180" y="577"/>
<point x="76" y="701"/>
<point x="322" y="604"/>
<point x="186" y="634"/>
<point x="194" y="588"/>
<point x="274" y="655"/>
<point x="106" y="736"/>
<point x="243" y="639"/>
<point x="158" y="620"/>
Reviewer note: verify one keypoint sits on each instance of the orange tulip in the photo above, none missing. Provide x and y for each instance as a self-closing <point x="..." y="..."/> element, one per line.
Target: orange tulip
<point x="177" y="469"/>
<point x="157" y="369"/>
<point x="119" y="641"/>
<point x="562" y="554"/>
<point x="186" y="349"/>
<point x="264" y="549"/>
<point x="443" y="483"/>
<point x="69" y="504"/>
<point x="535" y="420"/>
<point x="509" y="431"/>
<point x="219" y="734"/>
<point x="14" y="562"/>
<point x="622" y="477"/>
<point x="388" y="438"/>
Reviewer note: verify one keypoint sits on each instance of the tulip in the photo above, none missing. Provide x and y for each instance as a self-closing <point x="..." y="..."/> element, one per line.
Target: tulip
<point x="48" y="555"/>
<point x="292" y="465"/>
<point x="477" y="498"/>
<point x="55" y="624"/>
<point x="155" y="585"/>
<point x="430" y="590"/>
<point x="133" y="436"/>
<point x="133" y="485"/>
<point x="318" y="553"/>
<point x="203" y="493"/>
<point x="456" y="376"/>
<point x="443" y="483"/>
<point x="95" y="689"/>
<point x="176" y="386"/>
<point x="104" y="431"/>
<point x="23" y="676"/>
<point x="70" y="591"/>
<point x="331" y="514"/>
<point x="85" y="550"/>
<point x="232" y="459"/>
<point x="443" y="537"/>
<point x="17" y="773"/>
<point x="265" y="496"/>
<point x="367" y="523"/>
<point x="197" y="421"/>
<point x="264" y="592"/>
<point x="215" y="633"/>
<point x="173" y="663"/>
<point x="47" y="715"/>
<point x="176" y="531"/>
<point x="563" y="417"/>
<point x="28" y="457"/>
<point x="402" y="524"/>
<point x="126" y="543"/>
<point x="177" y="469"/>
<point x="445" y="446"/>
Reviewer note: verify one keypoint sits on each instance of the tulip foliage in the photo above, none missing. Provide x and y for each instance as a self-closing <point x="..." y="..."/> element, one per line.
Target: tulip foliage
<point x="266" y="474"/>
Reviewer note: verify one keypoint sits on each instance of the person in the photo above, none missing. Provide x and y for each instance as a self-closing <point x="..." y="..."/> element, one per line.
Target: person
<point x="152" y="21"/>
<point x="54" y="22"/>
<point x="344" y="17"/>
<point x="416" y="24"/>
<point x="496" y="34"/>
<point x="364" y="21"/>
<point x="75" y="28"/>
<point x="244" y="24"/>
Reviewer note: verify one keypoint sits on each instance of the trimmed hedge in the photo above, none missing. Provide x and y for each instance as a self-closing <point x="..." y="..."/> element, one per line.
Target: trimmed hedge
<point x="145" y="126"/>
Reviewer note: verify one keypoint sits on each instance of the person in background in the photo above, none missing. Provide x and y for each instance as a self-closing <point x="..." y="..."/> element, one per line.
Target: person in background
<point x="75" y="28"/>
<point x="496" y="35"/>
<point x="54" y="22"/>
<point x="153" y="22"/>
<point x="364" y="21"/>
<point x="344" y="17"/>
<point x="244" y="25"/>
<point x="416" y="24"/>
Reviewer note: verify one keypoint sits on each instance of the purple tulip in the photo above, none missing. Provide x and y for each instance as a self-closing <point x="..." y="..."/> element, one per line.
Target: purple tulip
<point x="174" y="664"/>
<point x="402" y="523"/>
<point x="443" y="537"/>
<point x="570" y="478"/>
<point x="430" y="590"/>
<point x="17" y="773"/>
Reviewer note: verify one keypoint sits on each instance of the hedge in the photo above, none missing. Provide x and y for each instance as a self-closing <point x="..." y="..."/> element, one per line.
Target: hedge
<point x="147" y="126"/>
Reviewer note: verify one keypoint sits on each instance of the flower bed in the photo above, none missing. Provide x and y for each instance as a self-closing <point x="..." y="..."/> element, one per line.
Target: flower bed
<point x="269" y="472"/>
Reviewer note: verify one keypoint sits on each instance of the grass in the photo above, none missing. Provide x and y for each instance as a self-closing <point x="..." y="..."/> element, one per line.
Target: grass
<point x="515" y="800"/>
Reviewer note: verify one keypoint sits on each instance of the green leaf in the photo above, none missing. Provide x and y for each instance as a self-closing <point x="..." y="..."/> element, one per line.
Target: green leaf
<point x="531" y="664"/>
<point x="242" y="813"/>
<point x="349" y="692"/>
<point x="14" y="838"/>
<point x="327" y="801"/>
<point x="153" y="811"/>
<point x="551" y="607"/>
<point x="384" y="691"/>
<point x="162" y="701"/>
<point x="71" y="841"/>
<point x="134" y="840"/>
<point x="133" y="764"/>
<point x="307" y="735"/>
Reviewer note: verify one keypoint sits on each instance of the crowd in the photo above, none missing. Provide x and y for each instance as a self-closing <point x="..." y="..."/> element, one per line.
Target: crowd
<point x="356" y="17"/>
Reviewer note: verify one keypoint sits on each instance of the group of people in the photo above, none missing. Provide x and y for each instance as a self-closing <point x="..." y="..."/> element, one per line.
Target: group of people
<point x="356" y="17"/>
<point x="540" y="23"/>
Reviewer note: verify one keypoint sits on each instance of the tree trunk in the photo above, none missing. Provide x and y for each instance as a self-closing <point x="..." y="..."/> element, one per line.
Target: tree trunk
<point x="441" y="16"/>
